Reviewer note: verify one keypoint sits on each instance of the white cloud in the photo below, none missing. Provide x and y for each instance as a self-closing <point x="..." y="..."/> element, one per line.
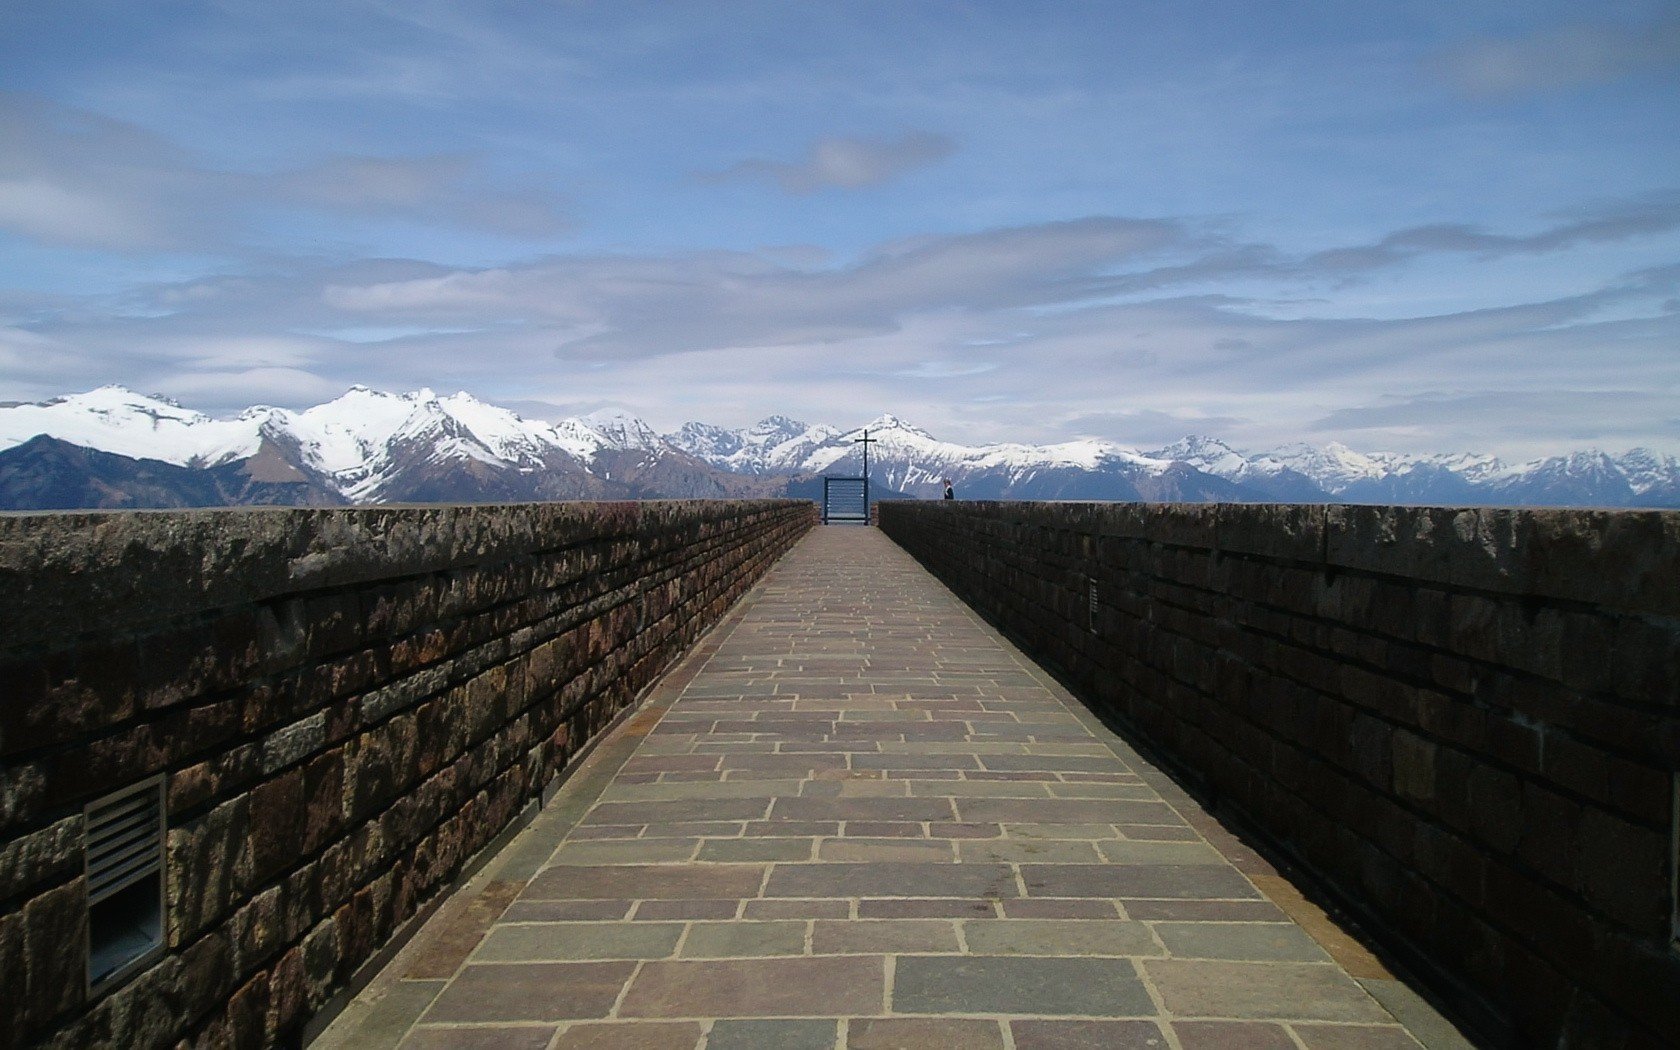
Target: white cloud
<point x="1567" y="57"/>
<point x="834" y="162"/>
<point x="69" y="177"/>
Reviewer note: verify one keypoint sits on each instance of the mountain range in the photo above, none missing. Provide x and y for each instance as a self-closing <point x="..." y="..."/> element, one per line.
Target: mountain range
<point x="114" y="448"/>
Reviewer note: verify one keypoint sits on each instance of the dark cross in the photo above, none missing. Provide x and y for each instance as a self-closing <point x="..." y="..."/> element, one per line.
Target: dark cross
<point x="865" y="441"/>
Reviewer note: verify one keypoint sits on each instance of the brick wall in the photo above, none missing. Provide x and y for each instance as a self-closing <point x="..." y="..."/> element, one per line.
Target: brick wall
<point x="1464" y="722"/>
<point x="347" y="704"/>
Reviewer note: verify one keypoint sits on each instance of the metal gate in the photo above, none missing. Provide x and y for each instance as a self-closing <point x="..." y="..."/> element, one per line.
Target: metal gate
<point x="846" y="499"/>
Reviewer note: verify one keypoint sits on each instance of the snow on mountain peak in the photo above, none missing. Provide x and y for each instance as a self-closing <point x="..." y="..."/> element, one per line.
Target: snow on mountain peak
<point x="622" y="430"/>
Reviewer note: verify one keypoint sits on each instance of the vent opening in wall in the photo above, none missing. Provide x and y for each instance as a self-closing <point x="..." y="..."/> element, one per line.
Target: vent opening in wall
<point x="125" y="856"/>
<point x="1091" y="604"/>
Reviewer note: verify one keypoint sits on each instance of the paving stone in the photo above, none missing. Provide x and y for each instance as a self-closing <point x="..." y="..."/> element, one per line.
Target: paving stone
<point x="907" y="1033"/>
<point x="863" y="809"/>
<point x="1012" y="985"/>
<point x="798" y="909"/>
<point x="760" y="849"/>
<point x="633" y="1035"/>
<point x="1354" y="1037"/>
<point x="1060" y="937"/>
<point x="523" y="1037"/>
<point x="530" y="992"/>
<point x="679" y="881"/>
<point x="1302" y="991"/>
<point x="578" y="940"/>
<point x="885" y="850"/>
<point x="1239" y="940"/>
<point x="1122" y="851"/>
<point x="773" y="1035"/>
<point x="1064" y="810"/>
<point x="1030" y="851"/>
<point x="1051" y="908"/>
<point x="1205" y="910"/>
<point x="1232" y="1035"/>
<point x="566" y="911"/>
<point x="916" y="908"/>
<point x="1157" y="880"/>
<point x="884" y="880"/>
<point x="625" y="851"/>
<point x="873" y="937"/>
<point x="794" y="987"/>
<point x="1087" y="1035"/>
<point x="712" y="940"/>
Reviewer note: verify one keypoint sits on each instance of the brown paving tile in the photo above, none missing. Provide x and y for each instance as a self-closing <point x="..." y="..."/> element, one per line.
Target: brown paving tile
<point x="1087" y="1035"/>
<point x="914" y="1033"/>
<point x="660" y="881"/>
<point x="530" y="992"/>
<point x="795" y="987"/>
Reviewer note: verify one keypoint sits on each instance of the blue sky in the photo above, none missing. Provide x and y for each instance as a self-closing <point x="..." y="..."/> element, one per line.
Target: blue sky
<point x="1409" y="226"/>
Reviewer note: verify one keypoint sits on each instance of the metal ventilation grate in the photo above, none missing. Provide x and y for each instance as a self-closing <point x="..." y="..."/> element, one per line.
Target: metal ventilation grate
<point x="124" y="853"/>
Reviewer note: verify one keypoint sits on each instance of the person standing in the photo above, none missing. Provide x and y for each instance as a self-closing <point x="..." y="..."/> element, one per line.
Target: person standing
<point x="949" y="492"/>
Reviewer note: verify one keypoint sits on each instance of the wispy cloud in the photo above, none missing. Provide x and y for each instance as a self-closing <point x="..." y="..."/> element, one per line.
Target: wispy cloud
<point x="69" y="177"/>
<point x="844" y="163"/>
<point x="1566" y="57"/>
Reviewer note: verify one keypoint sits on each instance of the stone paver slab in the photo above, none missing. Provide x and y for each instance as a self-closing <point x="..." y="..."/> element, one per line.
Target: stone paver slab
<point x="1154" y="880"/>
<point x="977" y="984"/>
<point x="914" y="1033"/>
<point x="1060" y="937"/>
<point x="530" y="992"/>
<point x="1087" y="1035"/>
<point x="1284" y="942"/>
<point x="1303" y="991"/>
<point x="553" y="942"/>
<point x="801" y="987"/>
<point x="891" y="880"/>
<point x="660" y="881"/>
<point x="773" y="1035"/>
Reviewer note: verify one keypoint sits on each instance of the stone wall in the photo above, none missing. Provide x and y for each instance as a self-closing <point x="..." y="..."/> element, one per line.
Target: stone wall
<point x="1464" y="723"/>
<point x="347" y="705"/>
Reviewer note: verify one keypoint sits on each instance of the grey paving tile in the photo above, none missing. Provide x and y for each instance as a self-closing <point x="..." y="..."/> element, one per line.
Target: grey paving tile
<point x="1018" y="986"/>
<point x="1290" y="991"/>
<point x="546" y="942"/>
<point x="1284" y="942"/>
<point x="773" y="1035"/>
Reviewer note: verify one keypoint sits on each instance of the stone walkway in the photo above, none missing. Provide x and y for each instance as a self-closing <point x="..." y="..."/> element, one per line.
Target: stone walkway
<point x="857" y="817"/>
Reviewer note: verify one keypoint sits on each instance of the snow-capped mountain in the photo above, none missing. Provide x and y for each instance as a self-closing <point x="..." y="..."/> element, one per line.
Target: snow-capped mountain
<point x="113" y="447"/>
